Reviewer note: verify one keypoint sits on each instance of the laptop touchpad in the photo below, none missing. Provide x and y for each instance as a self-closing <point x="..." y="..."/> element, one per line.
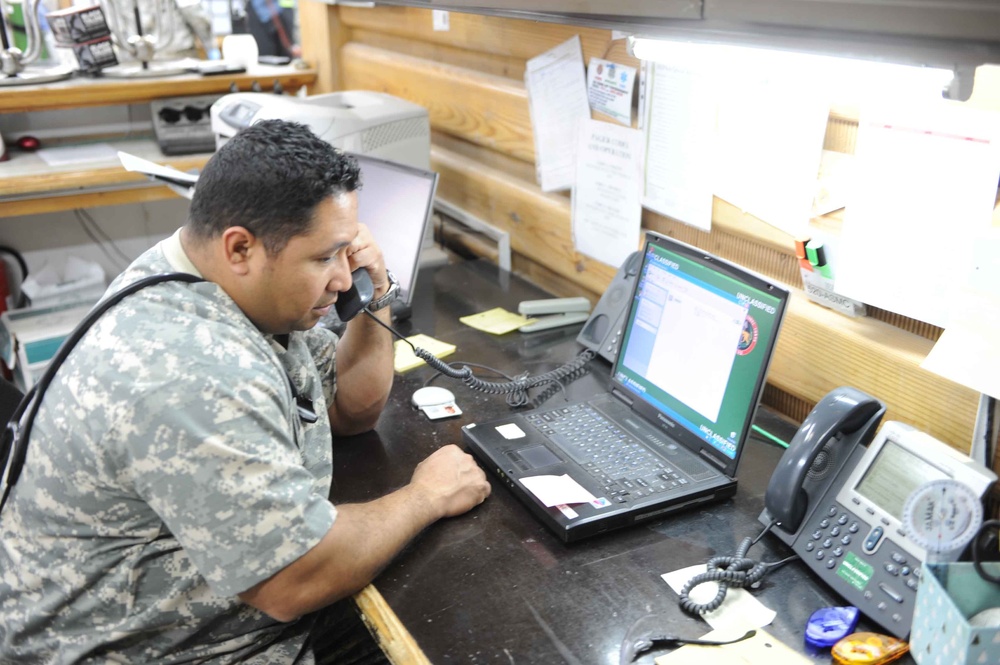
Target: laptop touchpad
<point x="535" y="457"/>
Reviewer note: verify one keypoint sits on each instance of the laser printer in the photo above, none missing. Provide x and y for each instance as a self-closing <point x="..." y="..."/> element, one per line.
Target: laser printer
<point x="359" y="121"/>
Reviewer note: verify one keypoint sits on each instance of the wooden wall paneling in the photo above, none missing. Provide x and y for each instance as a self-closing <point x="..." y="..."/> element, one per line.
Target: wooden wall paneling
<point x="488" y="63"/>
<point x="538" y="222"/>
<point x="485" y="34"/>
<point x="488" y="110"/>
<point x="497" y="160"/>
<point x="820" y="349"/>
<point x="321" y="34"/>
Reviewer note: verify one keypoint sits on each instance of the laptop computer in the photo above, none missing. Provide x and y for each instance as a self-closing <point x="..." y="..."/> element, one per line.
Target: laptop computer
<point x="668" y="434"/>
<point x="396" y="202"/>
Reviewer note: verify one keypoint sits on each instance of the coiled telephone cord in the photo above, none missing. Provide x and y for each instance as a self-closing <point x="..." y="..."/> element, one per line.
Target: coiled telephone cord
<point x="516" y="388"/>
<point x="729" y="572"/>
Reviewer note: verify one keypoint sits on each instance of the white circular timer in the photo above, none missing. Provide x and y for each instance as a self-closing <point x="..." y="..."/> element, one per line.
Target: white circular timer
<point x="943" y="516"/>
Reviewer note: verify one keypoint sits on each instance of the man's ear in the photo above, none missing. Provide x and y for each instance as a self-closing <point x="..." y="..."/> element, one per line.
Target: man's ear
<point x="239" y="247"/>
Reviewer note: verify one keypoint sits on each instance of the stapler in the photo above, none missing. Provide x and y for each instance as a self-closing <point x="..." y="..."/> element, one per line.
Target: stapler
<point x="553" y="312"/>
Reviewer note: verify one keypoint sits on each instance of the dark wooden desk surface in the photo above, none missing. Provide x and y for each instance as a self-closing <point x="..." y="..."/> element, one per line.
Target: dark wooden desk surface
<point x="494" y="585"/>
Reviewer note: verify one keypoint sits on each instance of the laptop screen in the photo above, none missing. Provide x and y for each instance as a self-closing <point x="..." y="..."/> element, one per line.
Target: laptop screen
<point x="396" y="202"/>
<point x="697" y="343"/>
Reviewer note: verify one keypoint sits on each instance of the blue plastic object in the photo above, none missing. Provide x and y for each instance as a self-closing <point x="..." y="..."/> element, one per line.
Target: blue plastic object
<point x="828" y="625"/>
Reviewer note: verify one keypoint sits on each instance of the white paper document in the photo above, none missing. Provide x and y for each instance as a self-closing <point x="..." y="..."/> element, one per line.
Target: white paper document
<point x="557" y="490"/>
<point x="769" y="143"/>
<point x="606" y="207"/>
<point x="177" y="180"/>
<point x="739" y="609"/>
<point x="679" y="112"/>
<point x="77" y="154"/>
<point x="557" y="101"/>
<point x="968" y="352"/>
<point x="926" y="186"/>
<point x="609" y="88"/>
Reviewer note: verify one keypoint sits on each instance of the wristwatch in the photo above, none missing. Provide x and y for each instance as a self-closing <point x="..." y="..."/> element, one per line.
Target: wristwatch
<point x="391" y="293"/>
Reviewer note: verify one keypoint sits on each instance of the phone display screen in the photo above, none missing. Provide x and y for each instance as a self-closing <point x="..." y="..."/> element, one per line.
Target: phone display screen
<point x="893" y="475"/>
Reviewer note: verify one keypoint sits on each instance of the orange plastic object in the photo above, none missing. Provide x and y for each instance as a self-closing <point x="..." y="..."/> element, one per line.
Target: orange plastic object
<point x="868" y="649"/>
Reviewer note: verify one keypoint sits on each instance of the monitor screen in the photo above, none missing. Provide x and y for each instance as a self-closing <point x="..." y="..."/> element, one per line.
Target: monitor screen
<point x="396" y="202"/>
<point x="698" y="341"/>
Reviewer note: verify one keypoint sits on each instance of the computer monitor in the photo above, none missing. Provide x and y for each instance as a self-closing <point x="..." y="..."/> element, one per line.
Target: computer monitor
<point x="396" y="202"/>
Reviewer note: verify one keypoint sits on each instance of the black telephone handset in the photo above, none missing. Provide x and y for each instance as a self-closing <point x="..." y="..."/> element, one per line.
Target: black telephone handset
<point x="350" y="302"/>
<point x="603" y="330"/>
<point x="829" y="444"/>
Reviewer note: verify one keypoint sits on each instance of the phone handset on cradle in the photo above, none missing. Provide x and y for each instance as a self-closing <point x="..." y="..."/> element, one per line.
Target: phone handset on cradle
<point x="603" y="330"/>
<point x="831" y="438"/>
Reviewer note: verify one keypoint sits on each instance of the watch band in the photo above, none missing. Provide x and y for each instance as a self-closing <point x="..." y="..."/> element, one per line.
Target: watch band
<point x="386" y="299"/>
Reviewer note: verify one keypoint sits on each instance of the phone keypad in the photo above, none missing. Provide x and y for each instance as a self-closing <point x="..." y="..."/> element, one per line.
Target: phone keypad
<point x="889" y="597"/>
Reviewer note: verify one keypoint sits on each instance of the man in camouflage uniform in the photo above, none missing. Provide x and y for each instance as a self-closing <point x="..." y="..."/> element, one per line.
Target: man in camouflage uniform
<point x="173" y="505"/>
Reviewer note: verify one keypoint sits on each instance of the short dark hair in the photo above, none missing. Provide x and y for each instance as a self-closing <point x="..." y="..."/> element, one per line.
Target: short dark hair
<point x="269" y="178"/>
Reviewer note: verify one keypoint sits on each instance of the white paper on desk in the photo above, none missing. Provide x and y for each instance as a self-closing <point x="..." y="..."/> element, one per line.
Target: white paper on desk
<point x="557" y="100"/>
<point x="77" y="154"/>
<point x="739" y="609"/>
<point x="679" y="110"/>
<point x="609" y="88"/>
<point x="557" y="490"/>
<point x="968" y="351"/>
<point x="926" y="185"/>
<point x="173" y="178"/>
<point x="606" y="207"/>
<point x="769" y="143"/>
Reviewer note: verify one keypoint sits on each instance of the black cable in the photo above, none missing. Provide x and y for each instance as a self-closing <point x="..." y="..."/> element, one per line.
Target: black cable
<point x="485" y="367"/>
<point x="989" y="528"/>
<point x="736" y="571"/>
<point x="14" y="440"/>
<point x="516" y="389"/>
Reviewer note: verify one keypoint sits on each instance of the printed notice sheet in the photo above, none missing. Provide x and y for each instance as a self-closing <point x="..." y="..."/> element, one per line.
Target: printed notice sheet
<point x="679" y="111"/>
<point x="929" y="175"/>
<point x="770" y="141"/>
<point x="609" y="88"/>
<point x="607" y="213"/>
<point x="557" y="100"/>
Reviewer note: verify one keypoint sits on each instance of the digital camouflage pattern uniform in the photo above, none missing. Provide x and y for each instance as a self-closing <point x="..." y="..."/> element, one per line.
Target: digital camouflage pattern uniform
<point x="167" y="471"/>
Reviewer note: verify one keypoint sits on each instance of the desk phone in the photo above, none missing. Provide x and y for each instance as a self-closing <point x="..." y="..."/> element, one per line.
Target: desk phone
<point x="840" y="506"/>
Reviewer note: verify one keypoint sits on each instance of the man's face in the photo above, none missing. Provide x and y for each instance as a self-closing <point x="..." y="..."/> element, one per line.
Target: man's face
<point x="298" y="286"/>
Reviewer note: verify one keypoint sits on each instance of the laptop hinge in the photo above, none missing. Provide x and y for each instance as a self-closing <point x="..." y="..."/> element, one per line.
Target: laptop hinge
<point x="704" y="453"/>
<point x="623" y="396"/>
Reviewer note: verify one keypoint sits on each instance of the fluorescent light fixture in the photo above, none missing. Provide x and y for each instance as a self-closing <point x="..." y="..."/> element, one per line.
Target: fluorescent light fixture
<point x="843" y="78"/>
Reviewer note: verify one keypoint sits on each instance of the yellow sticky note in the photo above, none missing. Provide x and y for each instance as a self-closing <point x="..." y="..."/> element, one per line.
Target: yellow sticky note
<point x="404" y="359"/>
<point x="497" y="321"/>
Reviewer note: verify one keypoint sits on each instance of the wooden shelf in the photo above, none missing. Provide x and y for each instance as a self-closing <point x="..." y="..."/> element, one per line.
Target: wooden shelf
<point x="29" y="186"/>
<point x="86" y="91"/>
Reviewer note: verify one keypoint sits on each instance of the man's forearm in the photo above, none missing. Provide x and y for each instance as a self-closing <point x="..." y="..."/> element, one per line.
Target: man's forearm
<point x="364" y="374"/>
<point x="364" y="538"/>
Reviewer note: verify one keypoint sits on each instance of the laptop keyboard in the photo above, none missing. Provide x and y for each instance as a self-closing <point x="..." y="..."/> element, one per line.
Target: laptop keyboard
<point x="626" y="469"/>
